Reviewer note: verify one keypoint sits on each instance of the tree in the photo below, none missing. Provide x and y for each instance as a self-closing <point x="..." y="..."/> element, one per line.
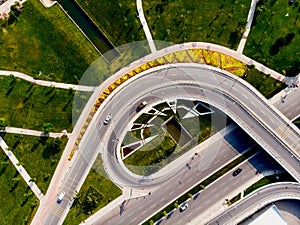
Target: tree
<point x="47" y="128"/>
<point x="3" y="123"/>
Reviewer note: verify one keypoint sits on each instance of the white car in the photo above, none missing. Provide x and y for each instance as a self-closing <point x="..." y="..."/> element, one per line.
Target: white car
<point x="183" y="207"/>
<point x="107" y="119"/>
<point x="60" y="197"/>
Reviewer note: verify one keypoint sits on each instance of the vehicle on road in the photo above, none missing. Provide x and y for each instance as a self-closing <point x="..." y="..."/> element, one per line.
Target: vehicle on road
<point x="141" y="106"/>
<point x="183" y="207"/>
<point x="237" y="172"/>
<point x="107" y="119"/>
<point x="60" y="197"/>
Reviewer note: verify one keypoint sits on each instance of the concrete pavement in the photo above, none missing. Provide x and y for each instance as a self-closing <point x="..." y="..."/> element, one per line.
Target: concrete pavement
<point x="146" y="29"/>
<point x="15" y="130"/>
<point x="47" y="83"/>
<point x="21" y="170"/>
<point x="248" y="26"/>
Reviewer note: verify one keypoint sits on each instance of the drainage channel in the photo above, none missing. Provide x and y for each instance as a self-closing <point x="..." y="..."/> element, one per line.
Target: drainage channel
<point x="90" y="29"/>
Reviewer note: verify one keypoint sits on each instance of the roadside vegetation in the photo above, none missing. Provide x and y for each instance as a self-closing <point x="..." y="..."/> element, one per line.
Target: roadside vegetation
<point x="37" y="152"/>
<point x="96" y="192"/>
<point x="264" y="83"/>
<point x="269" y="180"/>
<point x="125" y="27"/>
<point x="274" y="37"/>
<point x="26" y="105"/>
<point x="18" y="203"/>
<point x="297" y="122"/>
<point x="220" y="22"/>
<point x="60" y="52"/>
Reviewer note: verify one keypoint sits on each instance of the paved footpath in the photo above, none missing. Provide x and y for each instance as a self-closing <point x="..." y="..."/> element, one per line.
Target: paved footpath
<point x="248" y="26"/>
<point x="21" y="170"/>
<point x="147" y="32"/>
<point x="16" y="130"/>
<point x="46" y="83"/>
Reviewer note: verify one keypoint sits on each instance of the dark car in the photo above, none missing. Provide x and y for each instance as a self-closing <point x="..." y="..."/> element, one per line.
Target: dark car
<point x="141" y="105"/>
<point x="237" y="172"/>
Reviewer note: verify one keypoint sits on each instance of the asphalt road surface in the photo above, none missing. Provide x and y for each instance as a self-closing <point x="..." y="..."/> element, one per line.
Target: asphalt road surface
<point x="247" y="109"/>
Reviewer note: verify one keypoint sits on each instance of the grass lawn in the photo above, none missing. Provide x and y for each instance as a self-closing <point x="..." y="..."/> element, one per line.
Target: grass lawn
<point x="98" y="182"/>
<point x="117" y="19"/>
<point x="264" y="83"/>
<point x="18" y="203"/>
<point x="220" y="22"/>
<point x="45" y="40"/>
<point x="35" y="152"/>
<point x="297" y="122"/>
<point x="268" y="180"/>
<point x="26" y="105"/>
<point x="272" y="29"/>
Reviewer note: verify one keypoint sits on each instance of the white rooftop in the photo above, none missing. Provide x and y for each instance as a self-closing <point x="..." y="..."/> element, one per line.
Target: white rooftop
<point x="271" y="216"/>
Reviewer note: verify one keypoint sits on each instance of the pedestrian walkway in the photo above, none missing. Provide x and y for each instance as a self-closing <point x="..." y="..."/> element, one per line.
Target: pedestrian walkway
<point x="21" y="170"/>
<point x="15" y="130"/>
<point x="248" y="26"/>
<point x="147" y="32"/>
<point x="48" y="3"/>
<point x="47" y="83"/>
<point x="5" y="7"/>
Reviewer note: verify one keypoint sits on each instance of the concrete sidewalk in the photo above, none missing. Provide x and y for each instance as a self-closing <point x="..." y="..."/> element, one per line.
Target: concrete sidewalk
<point x="15" y="130"/>
<point x="21" y="170"/>
<point x="146" y="29"/>
<point x="248" y="26"/>
<point x="47" y="83"/>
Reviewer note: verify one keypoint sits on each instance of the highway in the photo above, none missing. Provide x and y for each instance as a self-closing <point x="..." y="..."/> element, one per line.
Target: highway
<point x="193" y="82"/>
<point x="256" y="201"/>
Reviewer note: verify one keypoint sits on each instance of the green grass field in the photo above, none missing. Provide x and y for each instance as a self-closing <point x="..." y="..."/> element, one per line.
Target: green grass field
<point x="268" y="180"/>
<point x="18" y="203"/>
<point x="117" y="19"/>
<point x="219" y="22"/>
<point x="26" y="105"/>
<point x="276" y="24"/>
<point x="264" y="83"/>
<point x="35" y="152"/>
<point x="45" y="40"/>
<point x="105" y="191"/>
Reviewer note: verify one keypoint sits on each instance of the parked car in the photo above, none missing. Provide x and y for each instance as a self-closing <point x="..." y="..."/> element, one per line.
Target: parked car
<point x="237" y="172"/>
<point x="183" y="207"/>
<point x="107" y="119"/>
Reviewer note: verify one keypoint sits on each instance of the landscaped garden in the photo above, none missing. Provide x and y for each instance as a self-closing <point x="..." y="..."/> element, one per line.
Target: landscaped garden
<point x="26" y="105"/>
<point x="96" y="192"/>
<point x="36" y="152"/>
<point x="18" y="203"/>
<point x="220" y="22"/>
<point x="46" y="40"/>
<point x="274" y="38"/>
<point x="125" y="27"/>
<point x="170" y="142"/>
